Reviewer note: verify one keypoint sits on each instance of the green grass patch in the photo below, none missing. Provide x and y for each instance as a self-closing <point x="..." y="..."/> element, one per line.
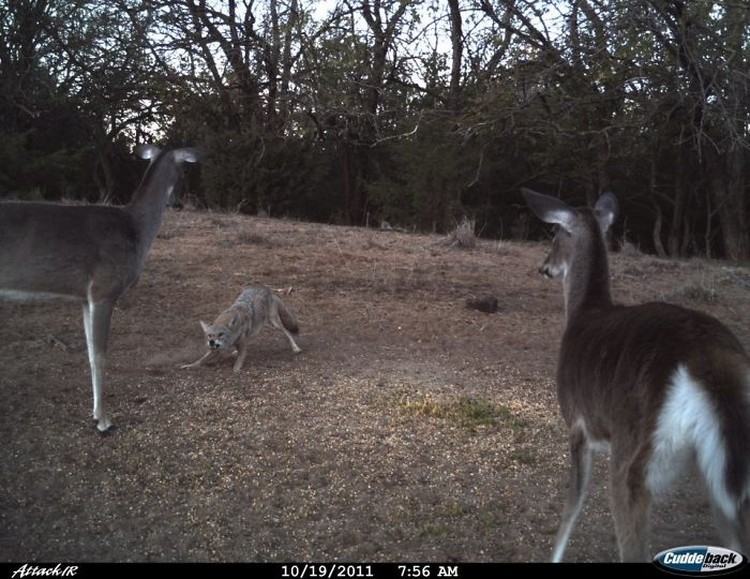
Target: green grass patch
<point x="465" y="411"/>
<point x="432" y="530"/>
<point x="473" y="412"/>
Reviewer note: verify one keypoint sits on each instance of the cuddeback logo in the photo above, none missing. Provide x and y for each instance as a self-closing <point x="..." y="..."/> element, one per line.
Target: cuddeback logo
<point x="699" y="560"/>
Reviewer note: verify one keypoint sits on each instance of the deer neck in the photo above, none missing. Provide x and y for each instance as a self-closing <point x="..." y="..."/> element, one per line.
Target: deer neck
<point x="150" y="201"/>
<point x="586" y="281"/>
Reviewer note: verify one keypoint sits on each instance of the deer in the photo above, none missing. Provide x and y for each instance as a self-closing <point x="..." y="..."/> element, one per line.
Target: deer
<point x="88" y="253"/>
<point x="660" y="387"/>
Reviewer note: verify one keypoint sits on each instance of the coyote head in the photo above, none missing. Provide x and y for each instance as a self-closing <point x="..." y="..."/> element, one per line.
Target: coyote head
<point x="218" y="336"/>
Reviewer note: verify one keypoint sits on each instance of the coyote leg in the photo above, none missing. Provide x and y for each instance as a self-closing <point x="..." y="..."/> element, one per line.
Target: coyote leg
<point x="242" y="350"/>
<point x="207" y="358"/>
<point x="279" y="325"/>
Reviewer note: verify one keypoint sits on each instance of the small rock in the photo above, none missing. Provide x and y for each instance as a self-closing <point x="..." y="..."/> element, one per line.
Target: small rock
<point x="487" y="304"/>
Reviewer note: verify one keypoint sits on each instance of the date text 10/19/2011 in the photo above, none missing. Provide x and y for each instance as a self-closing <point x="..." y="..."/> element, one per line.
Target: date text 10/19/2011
<point x="369" y="571"/>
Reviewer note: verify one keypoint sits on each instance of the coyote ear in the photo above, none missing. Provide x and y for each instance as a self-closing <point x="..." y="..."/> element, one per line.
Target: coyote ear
<point x="204" y="325"/>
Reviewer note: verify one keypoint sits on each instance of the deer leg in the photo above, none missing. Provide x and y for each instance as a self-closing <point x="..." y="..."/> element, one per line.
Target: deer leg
<point x="743" y="527"/>
<point x="581" y="458"/>
<point x="96" y="322"/>
<point x="734" y="530"/>
<point x="631" y="506"/>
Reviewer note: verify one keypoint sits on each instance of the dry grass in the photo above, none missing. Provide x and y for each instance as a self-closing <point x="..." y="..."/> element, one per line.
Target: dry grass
<point x="463" y="235"/>
<point x="410" y="428"/>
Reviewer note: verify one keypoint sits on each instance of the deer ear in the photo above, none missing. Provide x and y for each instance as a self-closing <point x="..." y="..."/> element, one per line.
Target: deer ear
<point x="191" y="154"/>
<point x="148" y="152"/>
<point x="549" y="209"/>
<point x="606" y="210"/>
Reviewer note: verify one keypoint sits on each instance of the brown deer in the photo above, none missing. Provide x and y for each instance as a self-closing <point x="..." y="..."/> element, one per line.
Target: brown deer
<point x="657" y="385"/>
<point x="87" y="253"/>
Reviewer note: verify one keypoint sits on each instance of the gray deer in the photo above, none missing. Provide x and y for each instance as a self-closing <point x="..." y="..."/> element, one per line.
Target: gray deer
<point x="88" y="253"/>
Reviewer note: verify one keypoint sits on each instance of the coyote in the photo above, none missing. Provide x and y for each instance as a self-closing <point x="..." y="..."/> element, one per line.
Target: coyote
<point x="237" y="326"/>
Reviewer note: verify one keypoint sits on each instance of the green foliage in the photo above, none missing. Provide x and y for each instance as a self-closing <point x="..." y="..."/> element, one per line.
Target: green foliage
<point x="361" y="115"/>
<point x="425" y="177"/>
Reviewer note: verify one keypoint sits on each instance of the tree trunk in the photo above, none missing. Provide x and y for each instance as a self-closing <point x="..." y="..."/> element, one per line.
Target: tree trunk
<point x="658" y="245"/>
<point x="457" y="44"/>
<point x="678" y="227"/>
<point x="729" y="186"/>
<point x="728" y="190"/>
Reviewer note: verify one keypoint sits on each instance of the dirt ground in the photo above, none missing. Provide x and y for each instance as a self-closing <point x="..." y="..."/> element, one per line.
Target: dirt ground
<point x="410" y="428"/>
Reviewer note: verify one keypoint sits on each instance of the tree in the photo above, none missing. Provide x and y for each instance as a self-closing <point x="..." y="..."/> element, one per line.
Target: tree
<point x="420" y="111"/>
<point x="71" y="83"/>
